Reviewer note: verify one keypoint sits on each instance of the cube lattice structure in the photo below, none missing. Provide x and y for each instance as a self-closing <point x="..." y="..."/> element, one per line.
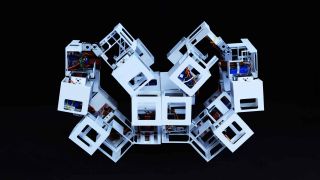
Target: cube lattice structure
<point x="161" y="102"/>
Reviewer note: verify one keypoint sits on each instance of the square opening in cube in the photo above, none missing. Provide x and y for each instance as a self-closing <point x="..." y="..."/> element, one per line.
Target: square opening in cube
<point x="84" y="141"/>
<point x="233" y="132"/>
<point x="176" y="111"/>
<point x="229" y="133"/>
<point x="206" y="138"/>
<point x="115" y="138"/>
<point x="125" y="124"/>
<point x="226" y="102"/>
<point x="146" y="132"/>
<point x="90" y="133"/>
<point x="152" y="82"/>
<point x="105" y="149"/>
<point x="137" y="81"/>
<point x="104" y="110"/>
<point x="236" y="125"/>
<point x="80" y="61"/>
<point x="125" y="147"/>
<point x="208" y="49"/>
<point x="146" y="111"/>
<point x="72" y="105"/>
<point x="216" y="149"/>
<point x="250" y="103"/>
<point x="189" y="76"/>
<point x="215" y="113"/>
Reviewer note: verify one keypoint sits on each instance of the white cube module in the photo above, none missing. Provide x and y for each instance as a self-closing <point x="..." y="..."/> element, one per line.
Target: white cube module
<point x="118" y="141"/>
<point x="132" y="74"/>
<point x="74" y="98"/>
<point x="80" y="58"/>
<point x="115" y="45"/>
<point x="89" y="134"/>
<point x="247" y="94"/>
<point x="119" y="43"/>
<point x="188" y="75"/>
<point x="120" y="138"/>
<point x="203" y="44"/>
<point x="146" y="104"/>
<point x="176" y="108"/>
<point x="202" y="136"/>
<point x="233" y="131"/>
<point x="146" y="110"/>
<point x="161" y="102"/>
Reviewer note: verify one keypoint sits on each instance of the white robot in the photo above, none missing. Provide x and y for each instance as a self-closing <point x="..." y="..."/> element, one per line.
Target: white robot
<point x="161" y="101"/>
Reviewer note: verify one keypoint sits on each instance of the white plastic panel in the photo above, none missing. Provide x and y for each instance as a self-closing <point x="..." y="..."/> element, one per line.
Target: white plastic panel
<point x="74" y="98"/>
<point x="247" y="95"/>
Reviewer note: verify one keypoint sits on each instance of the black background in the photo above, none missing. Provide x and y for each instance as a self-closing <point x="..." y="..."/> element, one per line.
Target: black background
<point x="35" y="135"/>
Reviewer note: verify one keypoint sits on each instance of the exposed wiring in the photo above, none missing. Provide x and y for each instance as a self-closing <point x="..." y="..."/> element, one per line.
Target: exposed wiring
<point x="190" y="76"/>
<point x="148" y="115"/>
<point x="188" y="80"/>
<point x="174" y="113"/>
<point x="73" y="67"/>
<point x="86" y="60"/>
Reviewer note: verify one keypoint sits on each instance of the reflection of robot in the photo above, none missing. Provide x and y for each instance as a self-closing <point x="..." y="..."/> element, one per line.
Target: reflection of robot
<point x="161" y="101"/>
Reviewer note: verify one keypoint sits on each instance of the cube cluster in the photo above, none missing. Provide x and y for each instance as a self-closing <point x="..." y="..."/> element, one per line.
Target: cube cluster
<point x="161" y="101"/>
